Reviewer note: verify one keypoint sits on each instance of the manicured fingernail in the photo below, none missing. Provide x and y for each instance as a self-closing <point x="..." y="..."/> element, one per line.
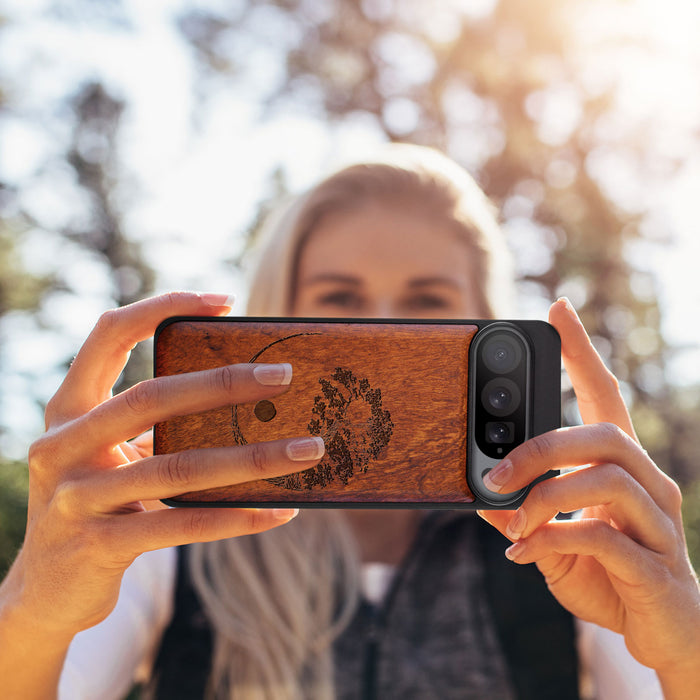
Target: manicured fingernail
<point x="517" y="525"/>
<point x="498" y="476"/>
<point x="285" y="514"/>
<point x="273" y="375"/>
<point x="218" y="299"/>
<point x="515" y="550"/>
<point x="305" y="449"/>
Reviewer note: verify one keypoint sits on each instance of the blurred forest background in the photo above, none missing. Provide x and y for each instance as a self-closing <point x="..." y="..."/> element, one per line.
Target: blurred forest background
<point x="580" y="119"/>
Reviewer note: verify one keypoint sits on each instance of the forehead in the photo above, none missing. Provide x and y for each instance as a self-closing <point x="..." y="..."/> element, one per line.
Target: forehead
<point x="386" y="236"/>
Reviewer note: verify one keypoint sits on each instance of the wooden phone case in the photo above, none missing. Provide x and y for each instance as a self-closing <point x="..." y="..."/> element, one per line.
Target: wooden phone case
<point x="389" y="399"/>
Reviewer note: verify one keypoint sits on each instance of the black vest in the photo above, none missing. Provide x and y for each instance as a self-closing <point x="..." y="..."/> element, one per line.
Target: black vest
<point x="534" y="634"/>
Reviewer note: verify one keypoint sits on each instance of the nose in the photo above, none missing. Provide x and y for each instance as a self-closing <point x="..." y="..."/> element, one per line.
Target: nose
<point x="383" y="308"/>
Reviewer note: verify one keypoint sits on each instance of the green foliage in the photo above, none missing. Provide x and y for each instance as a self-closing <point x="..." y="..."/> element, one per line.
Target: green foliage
<point x="691" y="521"/>
<point x="18" y="289"/>
<point x="14" y="483"/>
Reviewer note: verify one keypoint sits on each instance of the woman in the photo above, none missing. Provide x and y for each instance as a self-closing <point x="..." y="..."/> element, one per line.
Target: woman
<point x="411" y="236"/>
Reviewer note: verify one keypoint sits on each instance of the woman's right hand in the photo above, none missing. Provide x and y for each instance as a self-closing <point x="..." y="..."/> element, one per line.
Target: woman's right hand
<point x="88" y="516"/>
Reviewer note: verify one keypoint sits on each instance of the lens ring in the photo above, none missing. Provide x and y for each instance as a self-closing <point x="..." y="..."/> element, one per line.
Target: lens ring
<point x="500" y="396"/>
<point x="502" y="353"/>
<point x="499" y="432"/>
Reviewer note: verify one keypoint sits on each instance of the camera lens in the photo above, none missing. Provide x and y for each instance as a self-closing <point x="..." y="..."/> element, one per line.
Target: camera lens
<point x="502" y="353"/>
<point x="499" y="432"/>
<point x="500" y="396"/>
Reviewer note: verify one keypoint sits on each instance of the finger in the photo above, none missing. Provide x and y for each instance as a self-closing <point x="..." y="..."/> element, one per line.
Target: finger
<point x="155" y="400"/>
<point x="576" y="446"/>
<point x="166" y="476"/>
<point x="143" y="444"/>
<point x="138" y="448"/>
<point x="131" y="452"/>
<point x="497" y="518"/>
<point x="596" y="388"/>
<point x="606" y="486"/>
<point x="156" y="529"/>
<point x="102" y="357"/>
<point x="614" y="550"/>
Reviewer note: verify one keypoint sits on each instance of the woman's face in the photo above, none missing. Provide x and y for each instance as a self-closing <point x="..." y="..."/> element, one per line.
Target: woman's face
<point x="385" y="261"/>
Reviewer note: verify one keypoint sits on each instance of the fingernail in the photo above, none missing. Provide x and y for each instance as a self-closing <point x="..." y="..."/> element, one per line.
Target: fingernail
<point x="499" y="476"/>
<point x="273" y="375"/>
<point x="569" y="306"/>
<point x="285" y="514"/>
<point x="515" y="550"/>
<point x="517" y="525"/>
<point x="218" y="299"/>
<point x="305" y="449"/>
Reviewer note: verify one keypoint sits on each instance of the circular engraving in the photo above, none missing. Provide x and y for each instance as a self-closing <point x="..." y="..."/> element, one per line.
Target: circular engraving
<point x="346" y="412"/>
<point x="348" y="415"/>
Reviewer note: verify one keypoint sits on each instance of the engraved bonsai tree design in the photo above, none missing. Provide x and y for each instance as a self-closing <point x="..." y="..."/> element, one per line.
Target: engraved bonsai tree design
<point x="349" y="416"/>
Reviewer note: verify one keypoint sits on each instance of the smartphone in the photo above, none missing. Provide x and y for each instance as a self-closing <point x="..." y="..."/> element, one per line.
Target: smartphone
<point x="413" y="413"/>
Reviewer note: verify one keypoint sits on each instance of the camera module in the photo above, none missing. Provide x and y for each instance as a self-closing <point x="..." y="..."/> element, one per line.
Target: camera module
<point x="505" y="360"/>
<point x="501" y="389"/>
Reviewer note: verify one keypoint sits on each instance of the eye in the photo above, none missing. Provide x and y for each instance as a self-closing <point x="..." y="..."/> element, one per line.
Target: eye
<point x="427" y="302"/>
<point x="341" y="299"/>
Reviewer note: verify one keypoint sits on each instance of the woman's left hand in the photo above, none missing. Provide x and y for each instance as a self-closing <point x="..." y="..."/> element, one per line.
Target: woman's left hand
<point x="623" y="564"/>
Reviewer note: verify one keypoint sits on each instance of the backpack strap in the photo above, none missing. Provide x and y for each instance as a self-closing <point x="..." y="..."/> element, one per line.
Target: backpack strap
<point x="183" y="663"/>
<point x="536" y="633"/>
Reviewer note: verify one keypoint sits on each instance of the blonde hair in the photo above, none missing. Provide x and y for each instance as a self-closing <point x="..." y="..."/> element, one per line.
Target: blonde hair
<point x="277" y="600"/>
<point x="406" y="175"/>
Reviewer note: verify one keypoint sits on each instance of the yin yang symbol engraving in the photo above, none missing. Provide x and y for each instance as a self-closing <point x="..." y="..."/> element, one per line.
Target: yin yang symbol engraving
<point x="347" y="412"/>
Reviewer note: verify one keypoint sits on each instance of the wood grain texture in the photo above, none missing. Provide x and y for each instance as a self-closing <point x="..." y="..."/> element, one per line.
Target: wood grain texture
<point x="390" y="401"/>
